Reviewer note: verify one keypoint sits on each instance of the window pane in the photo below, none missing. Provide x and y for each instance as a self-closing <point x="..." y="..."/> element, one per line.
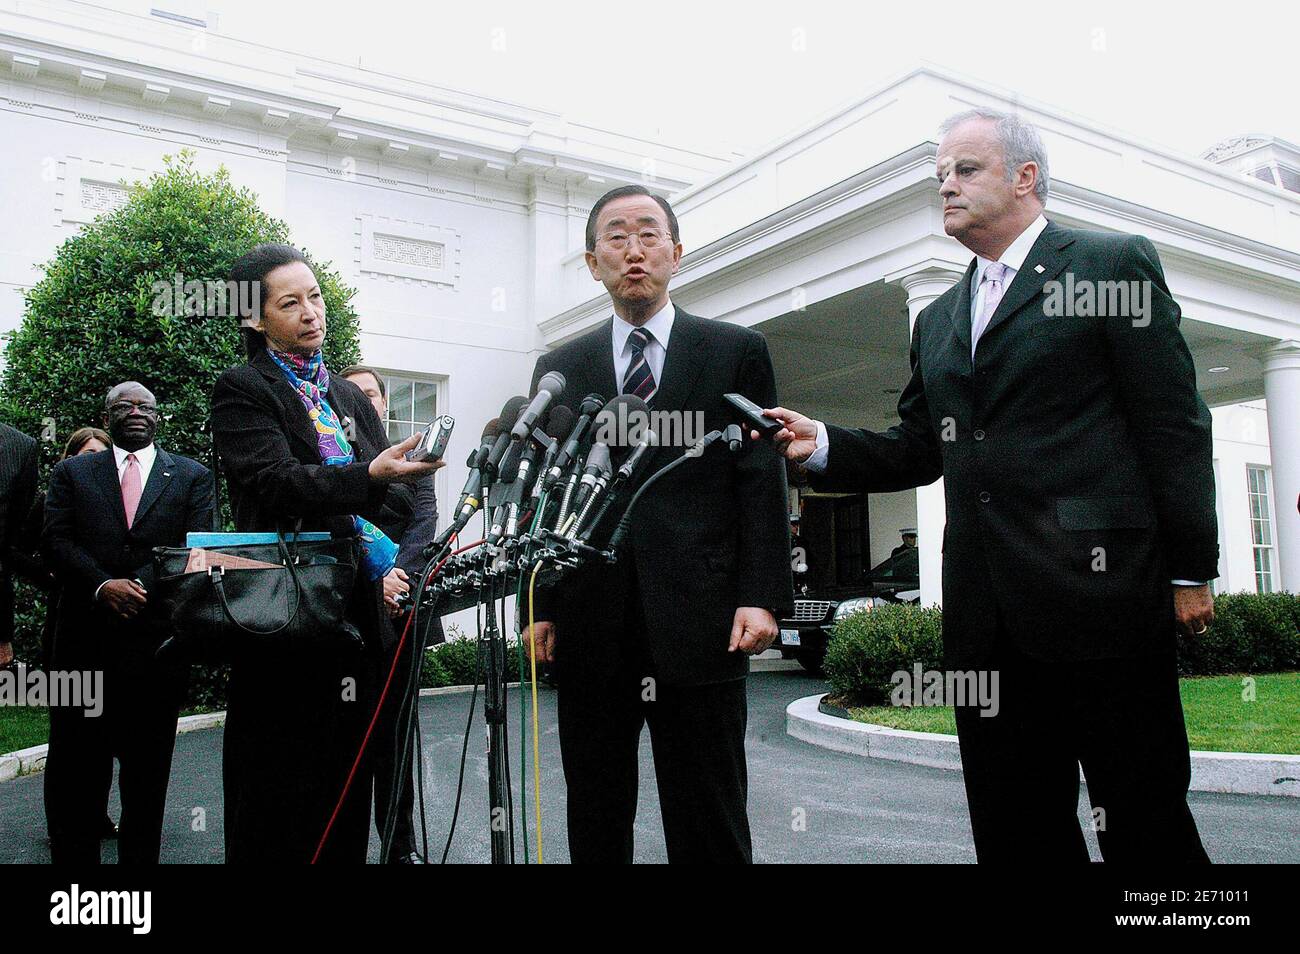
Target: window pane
<point x="399" y="399"/>
<point x="426" y="405"/>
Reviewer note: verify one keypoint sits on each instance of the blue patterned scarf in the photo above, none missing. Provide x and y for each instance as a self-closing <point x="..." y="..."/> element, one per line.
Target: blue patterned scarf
<point x="311" y="380"/>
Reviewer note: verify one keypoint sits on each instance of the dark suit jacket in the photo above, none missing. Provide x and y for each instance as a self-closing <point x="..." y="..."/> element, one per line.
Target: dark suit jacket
<point x="711" y="536"/>
<point x="18" y="454"/>
<point x="268" y="452"/>
<point x="87" y="542"/>
<point x="1077" y="461"/>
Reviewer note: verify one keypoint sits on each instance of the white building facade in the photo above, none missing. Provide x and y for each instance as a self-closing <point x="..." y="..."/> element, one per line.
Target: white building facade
<point x="460" y="219"/>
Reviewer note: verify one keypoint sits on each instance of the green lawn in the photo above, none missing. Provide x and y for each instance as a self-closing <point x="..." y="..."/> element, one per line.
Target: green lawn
<point x="1218" y="718"/>
<point x="21" y="727"/>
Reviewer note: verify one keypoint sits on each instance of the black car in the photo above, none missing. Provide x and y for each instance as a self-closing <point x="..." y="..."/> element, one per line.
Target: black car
<point x="816" y="610"/>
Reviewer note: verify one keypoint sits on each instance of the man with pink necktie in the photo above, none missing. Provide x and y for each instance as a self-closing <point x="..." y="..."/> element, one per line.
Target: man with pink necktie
<point x="104" y="514"/>
<point x="1052" y="390"/>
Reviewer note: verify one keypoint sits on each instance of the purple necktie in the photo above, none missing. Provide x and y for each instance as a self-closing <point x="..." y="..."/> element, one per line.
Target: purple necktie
<point x="994" y="277"/>
<point x="131" y="489"/>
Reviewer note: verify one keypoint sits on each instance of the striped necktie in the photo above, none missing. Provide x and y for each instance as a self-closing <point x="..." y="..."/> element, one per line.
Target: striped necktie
<point x="639" y="379"/>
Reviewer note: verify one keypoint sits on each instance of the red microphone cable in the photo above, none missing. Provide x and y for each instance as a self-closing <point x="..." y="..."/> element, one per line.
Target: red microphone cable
<point x="397" y="655"/>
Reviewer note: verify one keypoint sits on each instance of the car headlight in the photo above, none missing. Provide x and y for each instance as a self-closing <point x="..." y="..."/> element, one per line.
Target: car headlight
<point x="853" y="606"/>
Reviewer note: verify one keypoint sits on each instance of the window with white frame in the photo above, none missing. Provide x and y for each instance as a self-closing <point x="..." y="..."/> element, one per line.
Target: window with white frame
<point x="1261" y="527"/>
<point x="412" y="405"/>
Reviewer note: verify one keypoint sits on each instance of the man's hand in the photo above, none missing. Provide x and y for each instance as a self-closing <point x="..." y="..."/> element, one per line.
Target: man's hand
<point x="392" y="464"/>
<point x="395" y="585"/>
<point x="544" y="634"/>
<point x="752" y="630"/>
<point x="6" y="654"/>
<point x="1193" y="608"/>
<point x="124" y="597"/>
<point x="798" y="439"/>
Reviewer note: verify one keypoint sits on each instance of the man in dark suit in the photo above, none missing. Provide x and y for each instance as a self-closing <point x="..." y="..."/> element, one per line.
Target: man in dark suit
<point x="104" y="514"/>
<point x="1081" y="531"/>
<point x="18" y="454"/>
<point x="410" y="518"/>
<point x="662" y="636"/>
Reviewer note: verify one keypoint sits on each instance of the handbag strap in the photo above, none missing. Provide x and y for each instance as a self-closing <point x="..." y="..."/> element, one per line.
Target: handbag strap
<point x="216" y="573"/>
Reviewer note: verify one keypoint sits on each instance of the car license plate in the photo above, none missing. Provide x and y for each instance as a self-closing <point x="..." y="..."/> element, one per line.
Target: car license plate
<point x="789" y="637"/>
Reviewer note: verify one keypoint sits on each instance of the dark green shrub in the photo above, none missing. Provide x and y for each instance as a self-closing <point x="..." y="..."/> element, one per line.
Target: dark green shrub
<point x="1252" y="632"/>
<point x="452" y="663"/>
<point x="867" y="648"/>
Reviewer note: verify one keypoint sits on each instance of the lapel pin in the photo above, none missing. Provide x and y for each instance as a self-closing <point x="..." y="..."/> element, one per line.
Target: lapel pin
<point x="165" y="474"/>
<point x="1039" y="269"/>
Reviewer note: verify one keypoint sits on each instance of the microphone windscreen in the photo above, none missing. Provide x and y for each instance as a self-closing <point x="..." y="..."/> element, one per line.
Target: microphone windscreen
<point x="560" y="422"/>
<point x="622" y="422"/>
<point x="552" y="381"/>
<point x="510" y="411"/>
<point x="510" y="464"/>
<point x="491" y="429"/>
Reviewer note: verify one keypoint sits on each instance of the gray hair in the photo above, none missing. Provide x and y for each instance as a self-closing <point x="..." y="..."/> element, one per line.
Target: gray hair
<point x="1020" y="143"/>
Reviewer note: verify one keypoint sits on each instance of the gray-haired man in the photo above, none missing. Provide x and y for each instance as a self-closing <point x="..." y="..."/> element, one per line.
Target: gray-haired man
<point x="1076" y="457"/>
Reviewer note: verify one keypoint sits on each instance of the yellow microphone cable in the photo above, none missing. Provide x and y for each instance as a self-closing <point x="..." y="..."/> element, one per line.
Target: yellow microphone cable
<point x="537" y="765"/>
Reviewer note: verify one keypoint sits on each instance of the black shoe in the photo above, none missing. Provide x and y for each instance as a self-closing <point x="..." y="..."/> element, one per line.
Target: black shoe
<point x="411" y="859"/>
<point x="108" y="830"/>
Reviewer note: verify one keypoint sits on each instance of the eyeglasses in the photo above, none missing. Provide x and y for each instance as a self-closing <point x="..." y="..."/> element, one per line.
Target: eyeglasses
<point x="616" y="241"/>
<point x="126" y="407"/>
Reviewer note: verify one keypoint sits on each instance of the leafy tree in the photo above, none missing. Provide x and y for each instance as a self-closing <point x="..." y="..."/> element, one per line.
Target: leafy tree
<point x="100" y="314"/>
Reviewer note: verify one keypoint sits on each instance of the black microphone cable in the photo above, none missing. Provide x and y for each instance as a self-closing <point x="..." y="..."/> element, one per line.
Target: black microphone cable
<point x="469" y="724"/>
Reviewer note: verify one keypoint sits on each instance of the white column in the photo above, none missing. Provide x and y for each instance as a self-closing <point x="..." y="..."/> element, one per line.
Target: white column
<point x="1282" y="394"/>
<point x="923" y="285"/>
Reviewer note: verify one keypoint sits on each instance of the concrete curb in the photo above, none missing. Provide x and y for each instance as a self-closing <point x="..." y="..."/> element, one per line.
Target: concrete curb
<point x="31" y="761"/>
<point x="1235" y="773"/>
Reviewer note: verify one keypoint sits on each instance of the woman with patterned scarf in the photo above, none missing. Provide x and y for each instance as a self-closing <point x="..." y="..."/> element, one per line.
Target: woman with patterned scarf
<point x="300" y="448"/>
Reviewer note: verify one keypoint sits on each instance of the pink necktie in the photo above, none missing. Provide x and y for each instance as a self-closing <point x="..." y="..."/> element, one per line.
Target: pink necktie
<point x="131" y="489"/>
<point x="993" y="277"/>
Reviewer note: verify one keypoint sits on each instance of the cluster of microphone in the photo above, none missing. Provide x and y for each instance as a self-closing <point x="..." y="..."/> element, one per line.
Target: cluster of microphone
<point x="546" y="475"/>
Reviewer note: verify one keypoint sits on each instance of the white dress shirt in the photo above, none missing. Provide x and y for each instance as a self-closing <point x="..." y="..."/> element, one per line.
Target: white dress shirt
<point x="660" y="327"/>
<point x="1014" y="260"/>
<point x="144" y="459"/>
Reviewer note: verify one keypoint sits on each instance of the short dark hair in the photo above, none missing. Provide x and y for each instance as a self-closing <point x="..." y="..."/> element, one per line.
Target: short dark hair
<point x="254" y="266"/>
<point x="362" y="369"/>
<point x="622" y="192"/>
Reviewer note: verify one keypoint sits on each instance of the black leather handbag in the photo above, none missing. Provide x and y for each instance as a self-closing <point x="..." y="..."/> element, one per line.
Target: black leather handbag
<point x="219" y="614"/>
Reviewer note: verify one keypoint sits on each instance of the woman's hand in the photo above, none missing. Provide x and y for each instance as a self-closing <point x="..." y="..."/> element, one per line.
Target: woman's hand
<point x="395" y="585"/>
<point x="392" y="465"/>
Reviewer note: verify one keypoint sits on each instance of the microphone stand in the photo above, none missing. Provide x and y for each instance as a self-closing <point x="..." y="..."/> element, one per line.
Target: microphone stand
<point x="500" y="825"/>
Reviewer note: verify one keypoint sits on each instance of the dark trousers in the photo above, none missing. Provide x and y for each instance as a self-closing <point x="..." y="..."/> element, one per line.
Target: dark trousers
<point x="294" y="725"/>
<point x="387" y="757"/>
<point x="138" y="725"/>
<point x="1122" y="720"/>
<point x="697" y="735"/>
